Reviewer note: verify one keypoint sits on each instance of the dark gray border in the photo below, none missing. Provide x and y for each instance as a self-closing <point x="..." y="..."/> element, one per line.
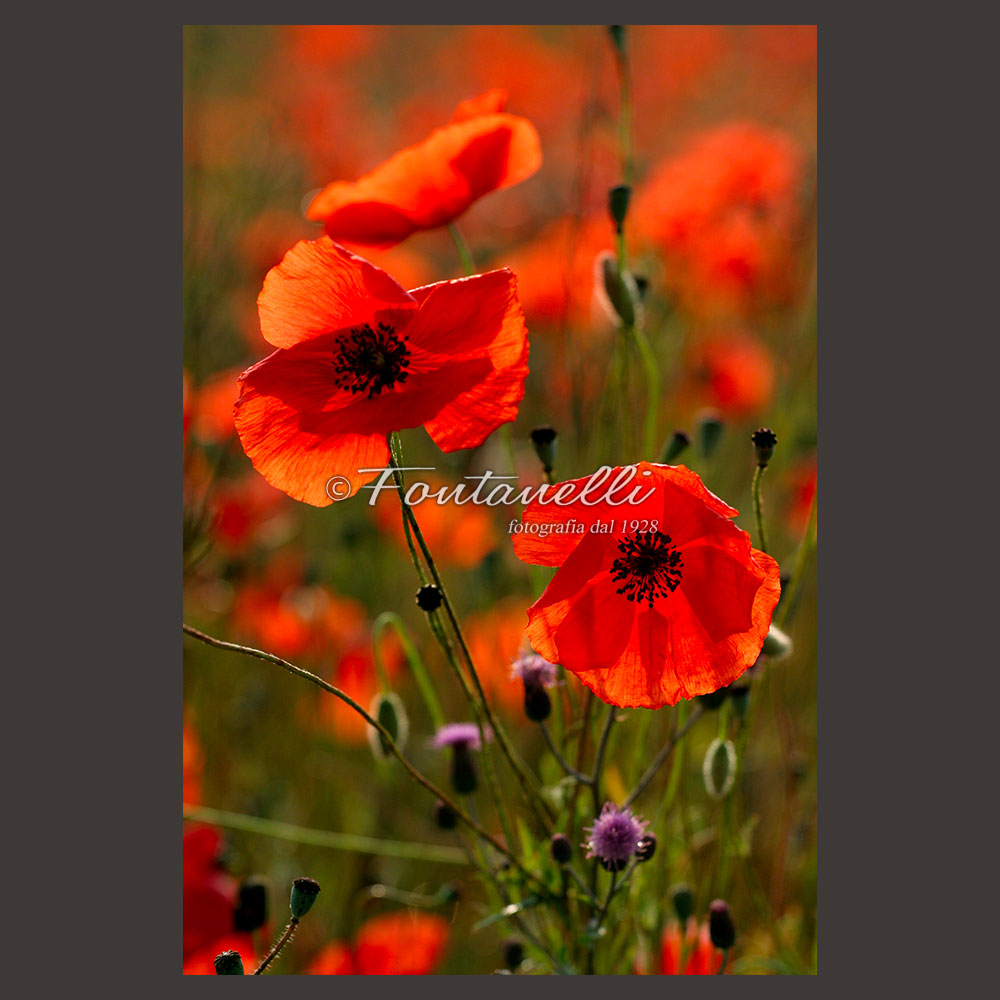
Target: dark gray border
<point x="93" y="675"/>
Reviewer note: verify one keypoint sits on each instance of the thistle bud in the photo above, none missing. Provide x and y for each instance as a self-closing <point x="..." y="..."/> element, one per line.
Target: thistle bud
<point x="391" y="714"/>
<point x="719" y="768"/>
<point x="463" y="770"/>
<point x="646" y="848"/>
<point x="537" y="703"/>
<point x="764" y="440"/>
<point x="429" y="598"/>
<point x="617" y="290"/>
<point x="710" y="428"/>
<point x="229" y="963"/>
<point x="513" y="953"/>
<point x="683" y="899"/>
<point x="777" y="644"/>
<point x="618" y="199"/>
<point x="304" y="893"/>
<point x="679" y="442"/>
<point x="544" y="440"/>
<point x="720" y="926"/>
<point x="561" y="848"/>
<point x="445" y="816"/>
<point x="251" y="905"/>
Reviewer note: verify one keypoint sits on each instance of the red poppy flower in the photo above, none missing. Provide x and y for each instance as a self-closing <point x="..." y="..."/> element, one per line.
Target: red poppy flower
<point x="360" y="357"/>
<point x="193" y="766"/>
<point x="702" y="959"/>
<point x="209" y="893"/>
<point x="732" y="371"/>
<point x="481" y="149"/>
<point x="654" y="601"/>
<point x="394" y="944"/>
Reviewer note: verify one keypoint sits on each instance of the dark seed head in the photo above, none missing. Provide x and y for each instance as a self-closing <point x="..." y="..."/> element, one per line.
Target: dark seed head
<point x="720" y="925"/>
<point x="445" y="816"/>
<point x="764" y="440"/>
<point x="561" y="848"/>
<point x="429" y="598"/>
<point x="304" y="893"/>
<point x="229" y="963"/>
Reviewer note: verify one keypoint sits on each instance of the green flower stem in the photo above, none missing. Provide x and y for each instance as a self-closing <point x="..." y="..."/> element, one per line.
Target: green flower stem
<point x="662" y="756"/>
<point x="524" y="776"/>
<point x="652" y="372"/>
<point x="725" y="962"/>
<point x="571" y="771"/>
<point x="375" y="724"/>
<point x="806" y="547"/>
<point x="324" y="838"/>
<point x="758" y="511"/>
<point x="464" y="253"/>
<point x="278" y="945"/>
<point x="389" y="619"/>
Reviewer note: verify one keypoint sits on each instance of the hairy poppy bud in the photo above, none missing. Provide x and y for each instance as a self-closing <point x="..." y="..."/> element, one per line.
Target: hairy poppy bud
<point x="646" y="847"/>
<point x="777" y="644"/>
<point x="445" y="816"/>
<point x="679" y="442"/>
<point x="720" y="926"/>
<point x="710" y="428"/>
<point x="544" y="440"/>
<point x="683" y="899"/>
<point x="616" y="290"/>
<point x="229" y="963"/>
<point x="429" y="598"/>
<point x="618" y="199"/>
<point x="513" y="953"/>
<point x="719" y="768"/>
<point x="537" y="703"/>
<point x="764" y="440"/>
<point x="304" y="893"/>
<point x="390" y="712"/>
<point x="561" y="848"/>
<point x="251" y="905"/>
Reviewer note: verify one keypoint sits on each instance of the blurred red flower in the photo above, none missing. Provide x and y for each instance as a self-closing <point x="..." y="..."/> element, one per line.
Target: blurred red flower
<point x="702" y="959"/>
<point x="209" y="893"/>
<point x="670" y="603"/>
<point x="496" y="638"/>
<point x="193" y="765"/>
<point x="801" y="490"/>
<point x="394" y="944"/>
<point x="202" y="961"/>
<point x="731" y="371"/>
<point x="355" y="674"/>
<point x="431" y="184"/>
<point x="725" y="212"/>
<point x="358" y="357"/>
<point x="245" y="510"/>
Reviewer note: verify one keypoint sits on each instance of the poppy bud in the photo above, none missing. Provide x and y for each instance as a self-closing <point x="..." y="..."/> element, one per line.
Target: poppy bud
<point x="251" y="905"/>
<point x="719" y="768"/>
<point x="617" y="290"/>
<point x="544" y="440"/>
<point x="646" y="847"/>
<point x="561" y="848"/>
<point x="429" y="598"/>
<point x="463" y="771"/>
<point x="229" y="963"/>
<point x="764" y="440"/>
<point x="445" y="816"/>
<point x="617" y="33"/>
<point x="389" y="711"/>
<point x="537" y="703"/>
<point x="304" y="893"/>
<point x="710" y="428"/>
<point x="679" y="442"/>
<point x="513" y="953"/>
<point x="777" y="644"/>
<point x="720" y="926"/>
<point x="683" y="899"/>
<point x="618" y="199"/>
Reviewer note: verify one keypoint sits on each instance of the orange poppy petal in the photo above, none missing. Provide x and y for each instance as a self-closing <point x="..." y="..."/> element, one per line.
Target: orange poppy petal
<point x="490" y="102"/>
<point x="432" y="183"/>
<point x="401" y="944"/>
<point x="334" y="960"/>
<point x="319" y="287"/>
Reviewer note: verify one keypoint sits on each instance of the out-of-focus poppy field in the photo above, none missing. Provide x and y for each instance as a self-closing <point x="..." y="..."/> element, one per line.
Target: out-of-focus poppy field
<point x="532" y="251"/>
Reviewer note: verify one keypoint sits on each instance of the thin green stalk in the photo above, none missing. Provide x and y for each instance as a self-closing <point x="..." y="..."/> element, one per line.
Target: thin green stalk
<point x="464" y="253"/>
<point x="758" y="511"/>
<point x="324" y="838"/>
<point x="652" y="372"/>
<point x="806" y="547"/>
<point x="661" y="757"/>
<point x="278" y="945"/>
<point x="390" y="619"/>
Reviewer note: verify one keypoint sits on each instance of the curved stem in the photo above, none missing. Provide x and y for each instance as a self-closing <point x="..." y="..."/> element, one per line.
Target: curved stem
<point x="278" y="945"/>
<point x="595" y="780"/>
<point x="662" y="756"/>
<point x="571" y="771"/>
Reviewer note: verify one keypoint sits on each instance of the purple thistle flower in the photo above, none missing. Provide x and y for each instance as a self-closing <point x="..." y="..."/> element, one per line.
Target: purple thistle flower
<point x="464" y="734"/>
<point x="614" y="836"/>
<point x="534" y="669"/>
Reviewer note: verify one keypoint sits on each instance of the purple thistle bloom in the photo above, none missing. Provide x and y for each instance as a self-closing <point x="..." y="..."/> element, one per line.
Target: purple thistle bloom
<point x="614" y="836"/>
<point x="464" y="734"/>
<point x="534" y="669"/>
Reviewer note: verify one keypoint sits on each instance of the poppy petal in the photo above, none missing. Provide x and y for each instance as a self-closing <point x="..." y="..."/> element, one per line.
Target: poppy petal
<point x="490" y="102"/>
<point x="401" y="944"/>
<point x="318" y="287"/>
<point x="432" y="183"/>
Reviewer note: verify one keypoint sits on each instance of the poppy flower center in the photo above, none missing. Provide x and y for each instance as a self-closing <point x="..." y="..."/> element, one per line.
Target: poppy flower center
<point x="368" y="360"/>
<point x="649" y="566"/>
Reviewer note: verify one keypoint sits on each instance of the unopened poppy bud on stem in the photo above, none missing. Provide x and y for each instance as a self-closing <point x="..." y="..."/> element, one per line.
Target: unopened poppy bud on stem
<point x="304" y="893"/>
<point x="710" y="428"/>
<point x="683" y="899"/>
<point x="229" y="963"/>
<point x="678" y="443"/>
<point x="719" y="768"/>
<point x="764" y="440"/>
<point x="544" y="441"/>
<point x="391" y="714"/>
<point x="616" y="289"/>
<point x="618" y="199"/>
<point x="720" y="925"/>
